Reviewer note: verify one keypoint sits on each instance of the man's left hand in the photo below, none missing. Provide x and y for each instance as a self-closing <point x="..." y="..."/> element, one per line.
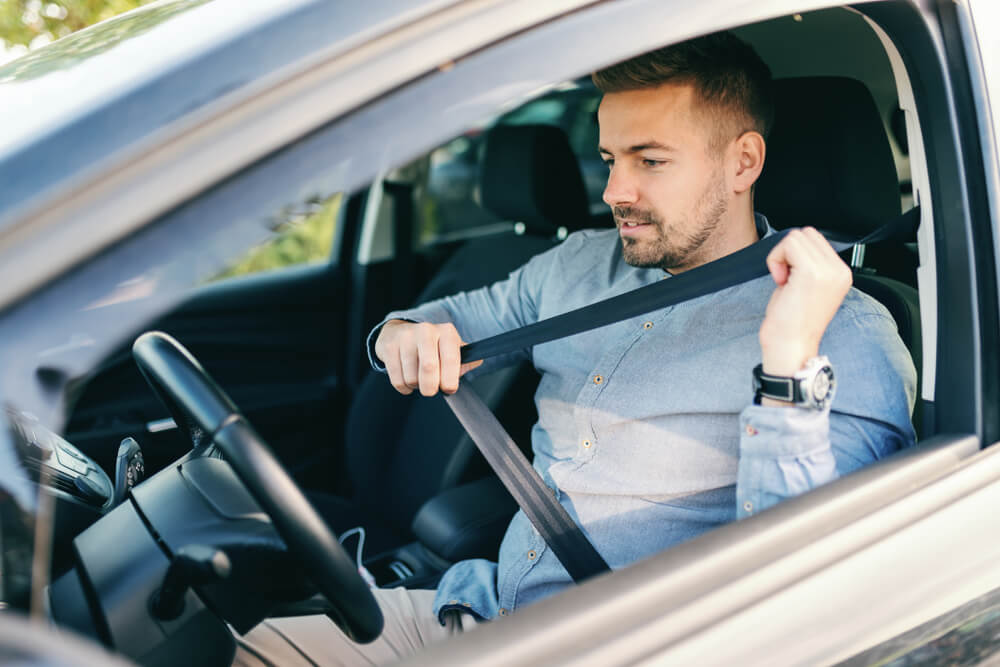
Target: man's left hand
<point x="812" y="281"/>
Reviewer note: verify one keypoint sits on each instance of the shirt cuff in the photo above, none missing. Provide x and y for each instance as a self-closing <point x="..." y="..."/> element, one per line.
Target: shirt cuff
<point x="778" y="431"/>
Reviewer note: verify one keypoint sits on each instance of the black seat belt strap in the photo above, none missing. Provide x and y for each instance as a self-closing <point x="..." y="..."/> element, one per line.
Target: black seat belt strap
<point x="535" y="498"/>
<point x="734" y="269"/>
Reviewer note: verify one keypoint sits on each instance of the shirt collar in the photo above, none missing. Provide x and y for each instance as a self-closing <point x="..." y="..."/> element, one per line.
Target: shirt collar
<point x="764" y="228"/>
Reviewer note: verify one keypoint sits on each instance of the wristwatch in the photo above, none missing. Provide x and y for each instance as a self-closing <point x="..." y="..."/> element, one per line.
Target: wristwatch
<point x="812" y="387"/>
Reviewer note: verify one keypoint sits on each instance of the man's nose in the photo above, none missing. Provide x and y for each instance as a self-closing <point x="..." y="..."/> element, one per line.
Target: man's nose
<point x="621" y="189"/>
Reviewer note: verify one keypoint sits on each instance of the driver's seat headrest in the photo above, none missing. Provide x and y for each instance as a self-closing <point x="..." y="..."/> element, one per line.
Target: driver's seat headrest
<point x="828" y="161"/>
<point x="529" y="174"/>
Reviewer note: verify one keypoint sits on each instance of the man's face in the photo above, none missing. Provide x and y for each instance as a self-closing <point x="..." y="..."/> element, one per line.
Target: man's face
<point x="667" y="187"/>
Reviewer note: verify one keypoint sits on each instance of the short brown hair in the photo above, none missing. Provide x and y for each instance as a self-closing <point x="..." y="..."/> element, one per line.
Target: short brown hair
<point x="727" y="74"/>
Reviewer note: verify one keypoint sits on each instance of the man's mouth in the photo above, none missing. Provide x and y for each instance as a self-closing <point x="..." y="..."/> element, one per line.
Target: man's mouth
<point x="632" y="223"/>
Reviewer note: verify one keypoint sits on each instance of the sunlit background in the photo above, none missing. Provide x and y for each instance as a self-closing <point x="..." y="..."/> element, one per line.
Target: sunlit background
<point x="29" y="24"/>
<point x="300" y="236"/>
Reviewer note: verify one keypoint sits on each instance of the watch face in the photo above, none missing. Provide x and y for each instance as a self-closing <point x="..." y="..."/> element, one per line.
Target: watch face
<point x="822" y="384"/>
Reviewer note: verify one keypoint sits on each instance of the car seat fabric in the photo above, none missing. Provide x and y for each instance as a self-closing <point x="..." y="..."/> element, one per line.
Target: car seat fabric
<point x="828" y="161"/>
<point x="829" y="164"/>
<point x="903" y="304"/>
<point x="402" y="450"/>
<point x="530" y="174"/>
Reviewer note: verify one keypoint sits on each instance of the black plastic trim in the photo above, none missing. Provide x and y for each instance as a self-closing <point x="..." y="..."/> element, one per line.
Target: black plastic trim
<point x="958" y="51"/>
<point x="959" y="380"/>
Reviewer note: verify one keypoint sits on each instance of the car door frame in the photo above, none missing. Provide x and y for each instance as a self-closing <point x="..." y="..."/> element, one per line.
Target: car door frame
<point x="651" y="586"/>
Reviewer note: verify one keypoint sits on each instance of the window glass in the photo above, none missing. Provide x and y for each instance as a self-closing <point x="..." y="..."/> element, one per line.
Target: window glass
<point x="449" y="207"/>
<point x="303" y="234"/>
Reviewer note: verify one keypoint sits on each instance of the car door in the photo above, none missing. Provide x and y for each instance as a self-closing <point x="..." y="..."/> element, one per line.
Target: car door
<point x="270" y="330"/>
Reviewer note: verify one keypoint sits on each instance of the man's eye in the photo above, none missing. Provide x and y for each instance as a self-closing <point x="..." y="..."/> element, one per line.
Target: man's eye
<point x="652" y="163"/>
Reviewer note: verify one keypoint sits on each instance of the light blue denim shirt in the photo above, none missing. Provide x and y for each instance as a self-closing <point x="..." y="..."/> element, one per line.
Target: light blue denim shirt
<point x="647" y="429"/>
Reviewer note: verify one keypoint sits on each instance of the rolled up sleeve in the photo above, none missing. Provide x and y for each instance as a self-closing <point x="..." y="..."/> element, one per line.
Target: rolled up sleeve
<point x="786" y="451"/>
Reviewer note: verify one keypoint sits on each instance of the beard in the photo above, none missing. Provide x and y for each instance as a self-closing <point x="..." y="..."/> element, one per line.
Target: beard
<point x="677" y="243"/>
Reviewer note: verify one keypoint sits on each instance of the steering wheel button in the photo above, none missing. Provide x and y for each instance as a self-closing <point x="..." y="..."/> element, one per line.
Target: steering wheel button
<point x="72" y="451"/>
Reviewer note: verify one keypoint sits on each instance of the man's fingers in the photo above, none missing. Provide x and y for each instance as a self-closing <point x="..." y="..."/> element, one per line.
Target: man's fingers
<point x="394" y="368"/>
<point x="470" y="365"/>
<point x="449" y="350"/>
<point x="801" y="248"/>
<point x="429" y="369"/>
<point x="777" y="262"/>
<point x="815" y="248"/>
<point x="422" y="356"/>
<point x="409" y="364"/>
<point x="829" y="266"/>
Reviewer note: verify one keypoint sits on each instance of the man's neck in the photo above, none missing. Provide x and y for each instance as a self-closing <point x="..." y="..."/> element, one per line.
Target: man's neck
<point x="732" y="234"/>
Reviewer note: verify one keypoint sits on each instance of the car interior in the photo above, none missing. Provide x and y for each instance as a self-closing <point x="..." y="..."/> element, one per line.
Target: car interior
<point x="290" y="345"/>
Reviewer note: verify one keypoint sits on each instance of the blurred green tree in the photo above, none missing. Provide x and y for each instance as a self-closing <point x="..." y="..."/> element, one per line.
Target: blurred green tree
<point x="28" y="24"/>
<point x="304" y="235"/>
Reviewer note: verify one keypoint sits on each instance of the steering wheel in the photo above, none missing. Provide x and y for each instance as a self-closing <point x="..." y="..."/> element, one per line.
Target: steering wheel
<point x="179" y="380"/>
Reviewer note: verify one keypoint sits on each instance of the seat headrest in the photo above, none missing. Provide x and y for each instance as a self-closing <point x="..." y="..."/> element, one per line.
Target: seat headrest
<point x="529" y="174"/>
<point x="828" y="162"/>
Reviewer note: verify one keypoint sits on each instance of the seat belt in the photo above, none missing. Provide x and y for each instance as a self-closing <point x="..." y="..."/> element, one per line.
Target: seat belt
<point x="535" y="498"/>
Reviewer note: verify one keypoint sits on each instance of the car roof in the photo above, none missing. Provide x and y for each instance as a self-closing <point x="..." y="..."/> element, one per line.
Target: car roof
<point x="68" y="106"/>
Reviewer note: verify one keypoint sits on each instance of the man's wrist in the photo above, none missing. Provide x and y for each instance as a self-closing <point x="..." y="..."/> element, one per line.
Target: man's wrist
<point x="786" y="360"/>
<point x="775" y="403"/>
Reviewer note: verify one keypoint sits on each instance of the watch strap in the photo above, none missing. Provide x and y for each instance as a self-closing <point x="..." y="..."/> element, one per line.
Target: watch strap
<point x="776" y="387"/>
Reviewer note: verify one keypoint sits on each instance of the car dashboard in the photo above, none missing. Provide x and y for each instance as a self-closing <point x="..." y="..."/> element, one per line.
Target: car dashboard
<point x="120" y="552"/>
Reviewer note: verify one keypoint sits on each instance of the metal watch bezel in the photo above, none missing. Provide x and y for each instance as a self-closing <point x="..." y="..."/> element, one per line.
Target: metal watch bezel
<point x="806" y="379"/>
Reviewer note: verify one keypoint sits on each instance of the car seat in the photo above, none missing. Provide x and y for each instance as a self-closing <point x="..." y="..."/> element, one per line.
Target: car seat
<point x="829" y="164"/>
<point x="402" y="450"/>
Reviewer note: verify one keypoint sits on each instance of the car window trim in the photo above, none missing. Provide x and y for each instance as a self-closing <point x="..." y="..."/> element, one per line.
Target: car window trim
<point x="179" y="161"/>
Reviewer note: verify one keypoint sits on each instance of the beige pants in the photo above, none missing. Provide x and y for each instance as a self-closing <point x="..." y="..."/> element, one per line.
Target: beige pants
<point x="314" y="640"/>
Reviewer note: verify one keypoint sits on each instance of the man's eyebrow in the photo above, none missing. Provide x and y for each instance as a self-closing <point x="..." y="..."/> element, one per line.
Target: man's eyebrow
<point x="637" y="148"/>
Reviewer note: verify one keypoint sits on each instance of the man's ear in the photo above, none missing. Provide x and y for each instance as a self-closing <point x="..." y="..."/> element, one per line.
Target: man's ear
<point x="748" y="152"/>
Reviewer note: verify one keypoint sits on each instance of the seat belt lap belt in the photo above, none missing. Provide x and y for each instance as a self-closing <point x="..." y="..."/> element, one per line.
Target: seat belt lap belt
<point x="535" y="498"/>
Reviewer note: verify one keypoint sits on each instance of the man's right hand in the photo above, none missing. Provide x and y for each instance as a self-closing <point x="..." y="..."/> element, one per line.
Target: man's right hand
<point x="422" y="356"/>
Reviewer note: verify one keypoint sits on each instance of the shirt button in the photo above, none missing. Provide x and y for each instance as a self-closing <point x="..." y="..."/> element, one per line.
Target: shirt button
<point x="586" y="443"/>
<point x="598" y="379"/>
<point x="647" y="325"/>
<point x="452" y="601"/>
<point x="748" y="506"/>
<point x="751" y="430"/>
<point x="503" y="612"/>
<point x="532" y="555"/>
<point x="466" y="604"/>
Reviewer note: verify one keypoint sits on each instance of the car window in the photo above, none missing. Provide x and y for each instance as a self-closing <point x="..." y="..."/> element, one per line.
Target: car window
<point x="303" y="234"/>
<point x="450" y="207"/>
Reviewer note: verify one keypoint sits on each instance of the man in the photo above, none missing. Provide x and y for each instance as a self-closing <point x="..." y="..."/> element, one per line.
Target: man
<point x="646" y="428"/>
